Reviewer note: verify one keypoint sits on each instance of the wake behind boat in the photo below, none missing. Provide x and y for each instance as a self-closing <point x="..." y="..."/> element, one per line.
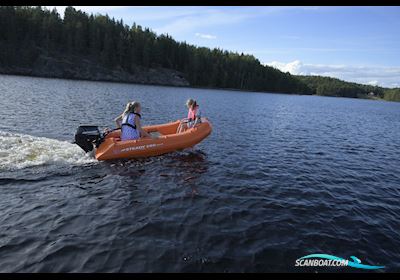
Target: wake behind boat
<point x="108" y="146"/>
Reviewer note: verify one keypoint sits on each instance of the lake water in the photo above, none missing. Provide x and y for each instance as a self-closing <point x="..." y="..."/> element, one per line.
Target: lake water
<point x="280" y="177"/>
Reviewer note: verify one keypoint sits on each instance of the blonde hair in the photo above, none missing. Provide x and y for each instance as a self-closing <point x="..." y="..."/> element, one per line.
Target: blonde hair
<point x="191" y="103"/>
<point x="127" y="108"/>
<point x="134" y="105"/>
<point x="130" y="107"/>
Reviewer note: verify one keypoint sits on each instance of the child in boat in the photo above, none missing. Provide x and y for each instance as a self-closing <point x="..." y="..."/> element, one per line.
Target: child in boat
<point x="118" y="119"/>
<point x="131" y="127"/>
<point x="193" y="115"/>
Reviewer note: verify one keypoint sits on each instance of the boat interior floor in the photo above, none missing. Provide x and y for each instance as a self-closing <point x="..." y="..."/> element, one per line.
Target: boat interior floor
<point x="155" y="134"/>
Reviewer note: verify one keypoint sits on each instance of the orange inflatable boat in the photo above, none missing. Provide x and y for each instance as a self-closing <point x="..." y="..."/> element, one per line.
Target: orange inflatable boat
<point x="165" y="140"/>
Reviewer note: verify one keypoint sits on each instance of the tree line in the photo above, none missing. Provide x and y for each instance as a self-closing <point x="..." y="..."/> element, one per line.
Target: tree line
<point x="27" y="33"/>
<point x="334" y="87"/>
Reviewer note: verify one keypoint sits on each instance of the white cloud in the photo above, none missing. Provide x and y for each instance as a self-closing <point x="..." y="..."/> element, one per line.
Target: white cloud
<point x="185" y="24"/>
<point x="293" y="67"/>
<point x="206" y="36"/>
<point x="373" y="75"/>
<point x="185" y="20"/>
<point x="373" y="83"/>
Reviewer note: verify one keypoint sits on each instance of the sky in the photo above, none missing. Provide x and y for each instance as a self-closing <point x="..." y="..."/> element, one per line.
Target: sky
<point x="357" y="44"/>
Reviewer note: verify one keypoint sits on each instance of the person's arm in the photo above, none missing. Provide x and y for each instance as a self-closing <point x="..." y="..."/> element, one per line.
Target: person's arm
<point x="143" y="133"/>
<point x="118" y="121"/>
<point x="198" y="117"/>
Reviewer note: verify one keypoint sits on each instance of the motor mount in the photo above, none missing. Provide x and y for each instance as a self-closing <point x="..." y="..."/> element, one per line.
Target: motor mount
<point x="87" y="137"/>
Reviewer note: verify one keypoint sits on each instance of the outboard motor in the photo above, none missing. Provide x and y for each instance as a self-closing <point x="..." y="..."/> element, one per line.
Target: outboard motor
<point x="88" y="135"/>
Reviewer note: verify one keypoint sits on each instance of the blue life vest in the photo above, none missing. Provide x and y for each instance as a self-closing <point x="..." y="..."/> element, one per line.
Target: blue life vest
<point x="128" y="127"/>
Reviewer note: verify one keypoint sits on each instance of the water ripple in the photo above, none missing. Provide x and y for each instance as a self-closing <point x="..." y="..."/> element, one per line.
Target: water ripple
<point x="282" y="177"/>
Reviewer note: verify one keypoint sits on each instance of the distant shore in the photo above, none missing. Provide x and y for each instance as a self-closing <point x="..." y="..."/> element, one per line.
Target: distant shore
<point x="76" y="68"/>
<point x="165" y="83"/>
<point x="41" y="43"/>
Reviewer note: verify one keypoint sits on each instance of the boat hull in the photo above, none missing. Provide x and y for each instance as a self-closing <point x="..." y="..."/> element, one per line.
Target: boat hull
<point x="168" y="141"/>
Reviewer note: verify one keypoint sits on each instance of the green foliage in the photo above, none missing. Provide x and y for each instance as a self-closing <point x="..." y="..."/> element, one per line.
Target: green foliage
<point x="334" y="87"/>
<point x="28" y="32"/>
<point x="392" y="94"/>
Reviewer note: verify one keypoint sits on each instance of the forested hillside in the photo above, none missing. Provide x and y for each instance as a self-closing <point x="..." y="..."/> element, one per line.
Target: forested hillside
<point x="327" y="86"/>
<point x="334" y="87"/>
<point x="392" y="94"/>
<point x="26" y="33"/>
<point x="37" y="41"/>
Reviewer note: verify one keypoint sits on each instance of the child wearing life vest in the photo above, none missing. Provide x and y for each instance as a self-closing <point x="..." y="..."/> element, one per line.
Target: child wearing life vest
<point x="118" y="120"/>
<point x="193" y="116"/>
<point x="131" y="127"/>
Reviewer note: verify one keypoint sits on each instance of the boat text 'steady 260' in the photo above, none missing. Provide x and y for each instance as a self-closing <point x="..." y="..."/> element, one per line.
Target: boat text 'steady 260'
<point x="109" y="145"/>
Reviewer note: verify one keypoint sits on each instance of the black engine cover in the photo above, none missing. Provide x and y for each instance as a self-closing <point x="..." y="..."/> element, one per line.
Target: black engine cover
<point x="87" y="136"/>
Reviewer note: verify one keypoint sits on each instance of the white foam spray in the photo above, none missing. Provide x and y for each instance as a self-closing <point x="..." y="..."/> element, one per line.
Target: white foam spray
<point x="18" y="151"/>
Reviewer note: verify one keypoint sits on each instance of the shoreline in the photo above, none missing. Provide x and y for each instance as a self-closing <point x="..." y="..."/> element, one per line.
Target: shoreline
<point x="138" y="83"/>
<point x="184" y="86"/>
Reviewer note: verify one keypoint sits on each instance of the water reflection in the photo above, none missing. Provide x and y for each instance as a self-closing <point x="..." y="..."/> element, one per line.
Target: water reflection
<point x="281" y="177"/>
<point x="191" y="165"/>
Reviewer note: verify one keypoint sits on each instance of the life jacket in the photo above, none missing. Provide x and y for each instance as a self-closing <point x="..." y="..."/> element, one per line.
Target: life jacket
<point x="192" y="113"/>
<point x="126" y="122"/>
<point x="129" y="130"/>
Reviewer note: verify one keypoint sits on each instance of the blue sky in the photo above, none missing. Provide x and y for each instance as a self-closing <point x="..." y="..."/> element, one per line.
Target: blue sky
<point x="360" y="44"/>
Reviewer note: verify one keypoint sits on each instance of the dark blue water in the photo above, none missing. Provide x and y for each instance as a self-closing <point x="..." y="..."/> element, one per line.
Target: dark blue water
<point x="280" y="177"/>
